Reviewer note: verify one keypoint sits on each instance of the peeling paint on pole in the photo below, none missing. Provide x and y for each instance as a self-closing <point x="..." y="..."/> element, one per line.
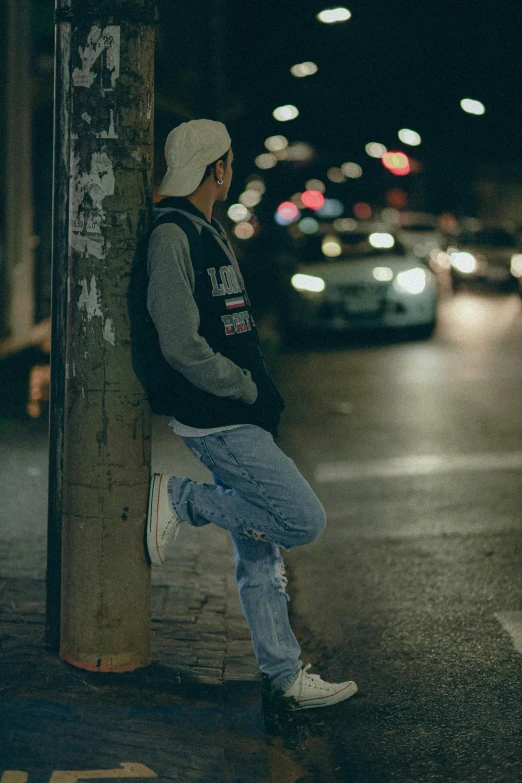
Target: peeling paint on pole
<point x="88" y="190"/>
<point x="101" y="44"/>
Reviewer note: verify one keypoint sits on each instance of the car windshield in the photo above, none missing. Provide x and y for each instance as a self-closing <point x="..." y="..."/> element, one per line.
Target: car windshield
<point x="353" y="245"/>
<point x="494" y="237"/>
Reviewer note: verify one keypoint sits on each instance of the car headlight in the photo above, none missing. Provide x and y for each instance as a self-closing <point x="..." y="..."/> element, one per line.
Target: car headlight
<point x="308" y="283"/>
<point x="463" y="262"/>
<point x="412" y="281"/>
<point x="516" y="265"/>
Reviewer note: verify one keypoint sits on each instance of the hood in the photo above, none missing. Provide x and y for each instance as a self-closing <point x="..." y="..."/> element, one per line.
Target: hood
<point x="187" y="208"/>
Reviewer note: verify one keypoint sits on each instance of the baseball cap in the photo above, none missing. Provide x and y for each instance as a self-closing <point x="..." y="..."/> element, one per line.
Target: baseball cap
<point x="189" y="148"/>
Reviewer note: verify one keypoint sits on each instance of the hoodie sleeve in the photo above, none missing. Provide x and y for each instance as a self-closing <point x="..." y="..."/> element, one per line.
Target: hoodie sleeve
<point x="170" y="302"/>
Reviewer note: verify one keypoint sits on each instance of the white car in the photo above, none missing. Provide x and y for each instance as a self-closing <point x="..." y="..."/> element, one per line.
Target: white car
<point x="353" y="285"/>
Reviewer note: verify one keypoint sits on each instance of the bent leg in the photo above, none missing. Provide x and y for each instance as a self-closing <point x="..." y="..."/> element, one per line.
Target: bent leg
<point x="260" y="494"/>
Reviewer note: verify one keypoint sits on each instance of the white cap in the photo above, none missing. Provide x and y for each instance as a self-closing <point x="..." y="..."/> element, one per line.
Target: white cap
<point x="189" y="148"/>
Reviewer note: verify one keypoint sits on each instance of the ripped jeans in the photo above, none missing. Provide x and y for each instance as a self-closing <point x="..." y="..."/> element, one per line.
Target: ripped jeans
<point x="260" y="497"/>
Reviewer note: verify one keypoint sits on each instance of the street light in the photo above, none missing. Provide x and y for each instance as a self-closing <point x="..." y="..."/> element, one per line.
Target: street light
<point x="303" y="69"/>
<point x="333" y="15"/>
<point x="410" y="137"/>
<point x="285" y="113"/>
<point x="472" y="107"/>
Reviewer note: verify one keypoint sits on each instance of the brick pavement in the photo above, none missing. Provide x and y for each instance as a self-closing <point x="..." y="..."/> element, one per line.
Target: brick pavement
<point x="204" y="682"/>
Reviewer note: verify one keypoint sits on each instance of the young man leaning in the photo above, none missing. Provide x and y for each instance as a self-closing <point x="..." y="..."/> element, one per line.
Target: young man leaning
<point x="205" y="370"/>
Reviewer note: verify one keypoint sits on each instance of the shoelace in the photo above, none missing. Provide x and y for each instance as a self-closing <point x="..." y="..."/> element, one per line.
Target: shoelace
<point x="166" y="531"/>
<point x="306" y="678"/>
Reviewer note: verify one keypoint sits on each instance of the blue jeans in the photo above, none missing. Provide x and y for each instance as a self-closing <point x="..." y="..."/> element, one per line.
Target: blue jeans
<point x="260" y="497"/>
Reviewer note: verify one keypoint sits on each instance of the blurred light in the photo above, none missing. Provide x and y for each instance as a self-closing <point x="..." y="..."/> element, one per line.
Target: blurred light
<point x="472" y="107"/>
<point x="296" y="199"/>
<point x="352" y="170"/>
<point x="315" y="184"/>
<point x="396" y="198"/>
<point x="381" y="240"/>
<point x="362" y="211"/>
<point x="312" y="199"/>
<point x="331" y="208"/>
<point x="285" y="113"/>
<point x="298" y="151"/>
<point x="332" y="15"/>
<point x="308" y="283"/>
<point x="390" y="216"/>
<point x="345" y="224"/>
<point x="274" y="143"/>
<point x="281" y="154"/>
<point x="413" y="281"/>
<point x="383" y="274"/>
<point x="266" y="160"/>
<point x="303" y="69"/>
<point x="420" y="250"/>
<point x="397" y="163"/>
<point x="244" y="230"/>
<point x="410" y="137"/>
<point x="331" y="246"/>
<point x="335" y="174"/>
<point x="516" y="265"/>
<point x="288" y="211"/>
<point x="238" y="213"/>
<point x="463" y="262"/>
<point x="308" y="225"/>
<point x="257" y="184"/>
<point x="441" y="259"/>
<point x="250" y="198"/>
<point x="375" y="150"/>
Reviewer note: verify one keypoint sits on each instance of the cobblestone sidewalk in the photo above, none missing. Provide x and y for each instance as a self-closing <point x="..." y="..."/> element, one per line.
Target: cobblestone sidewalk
<point x="204" y="678"/>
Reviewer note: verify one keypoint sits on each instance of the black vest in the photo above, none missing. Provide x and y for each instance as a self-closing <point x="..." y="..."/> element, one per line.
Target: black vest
<point x="227" y="325"/>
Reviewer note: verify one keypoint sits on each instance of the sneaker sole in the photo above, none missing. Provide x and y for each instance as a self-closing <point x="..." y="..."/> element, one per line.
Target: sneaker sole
<point x="327" y="701"/>
<point x="152" y="520"/>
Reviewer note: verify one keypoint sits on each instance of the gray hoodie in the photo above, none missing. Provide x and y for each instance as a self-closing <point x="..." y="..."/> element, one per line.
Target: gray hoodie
<point x="171" y="304"/>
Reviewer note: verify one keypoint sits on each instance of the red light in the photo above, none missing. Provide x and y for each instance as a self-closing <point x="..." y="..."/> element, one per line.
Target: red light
<point x="396" y="162"/>
<point x="362" y="211"/>
<point x="312" y="199"/>
<point x="287" y="210"/>
<point x="396" y="198"/>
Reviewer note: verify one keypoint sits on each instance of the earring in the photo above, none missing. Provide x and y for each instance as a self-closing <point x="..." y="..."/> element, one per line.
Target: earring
<point x="220" y="182"/>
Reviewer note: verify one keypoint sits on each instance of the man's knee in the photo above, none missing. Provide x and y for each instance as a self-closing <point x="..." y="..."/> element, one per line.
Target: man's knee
<point x="314" y="522"/>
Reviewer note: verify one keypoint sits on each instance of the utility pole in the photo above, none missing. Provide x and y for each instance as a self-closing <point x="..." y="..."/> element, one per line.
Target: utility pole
<point x="19" y="172"/>
<point x="100" y="435"/>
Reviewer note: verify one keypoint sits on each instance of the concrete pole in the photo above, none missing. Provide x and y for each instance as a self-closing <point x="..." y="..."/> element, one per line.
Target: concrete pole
<point x="19" y="172"/>
<point x="105" y="467"/>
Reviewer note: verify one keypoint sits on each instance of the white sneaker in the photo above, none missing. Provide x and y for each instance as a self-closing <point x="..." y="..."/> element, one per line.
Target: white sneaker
<point x="309" y="690"/>
<point x="162" y="521"/>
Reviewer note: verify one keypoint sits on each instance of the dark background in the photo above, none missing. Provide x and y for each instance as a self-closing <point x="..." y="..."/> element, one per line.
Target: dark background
<point x="392" y="65"/>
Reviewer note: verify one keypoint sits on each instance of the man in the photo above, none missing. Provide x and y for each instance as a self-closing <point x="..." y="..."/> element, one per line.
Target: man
<point x="205" y="369"/>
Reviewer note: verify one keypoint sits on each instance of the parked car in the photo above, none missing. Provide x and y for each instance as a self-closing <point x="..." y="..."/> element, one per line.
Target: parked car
<point x="483" y="256"/>
<point x="421" y="239"/>
<point x="359" y="281"/>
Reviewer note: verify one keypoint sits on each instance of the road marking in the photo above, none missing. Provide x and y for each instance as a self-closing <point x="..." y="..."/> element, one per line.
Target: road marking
<point x="417" y="465"/>
<point x="512" y="623"/>
<point x="14" y="777"/>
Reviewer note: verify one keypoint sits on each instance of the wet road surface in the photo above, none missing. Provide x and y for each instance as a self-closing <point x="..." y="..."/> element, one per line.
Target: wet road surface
<point x="414" y="590"/>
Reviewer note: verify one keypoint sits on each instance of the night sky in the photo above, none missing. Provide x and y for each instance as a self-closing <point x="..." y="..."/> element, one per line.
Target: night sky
<point x="392" y="65"/>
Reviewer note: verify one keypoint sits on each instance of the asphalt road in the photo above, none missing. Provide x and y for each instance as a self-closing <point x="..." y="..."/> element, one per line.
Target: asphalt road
<point x="414" y="590"/>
